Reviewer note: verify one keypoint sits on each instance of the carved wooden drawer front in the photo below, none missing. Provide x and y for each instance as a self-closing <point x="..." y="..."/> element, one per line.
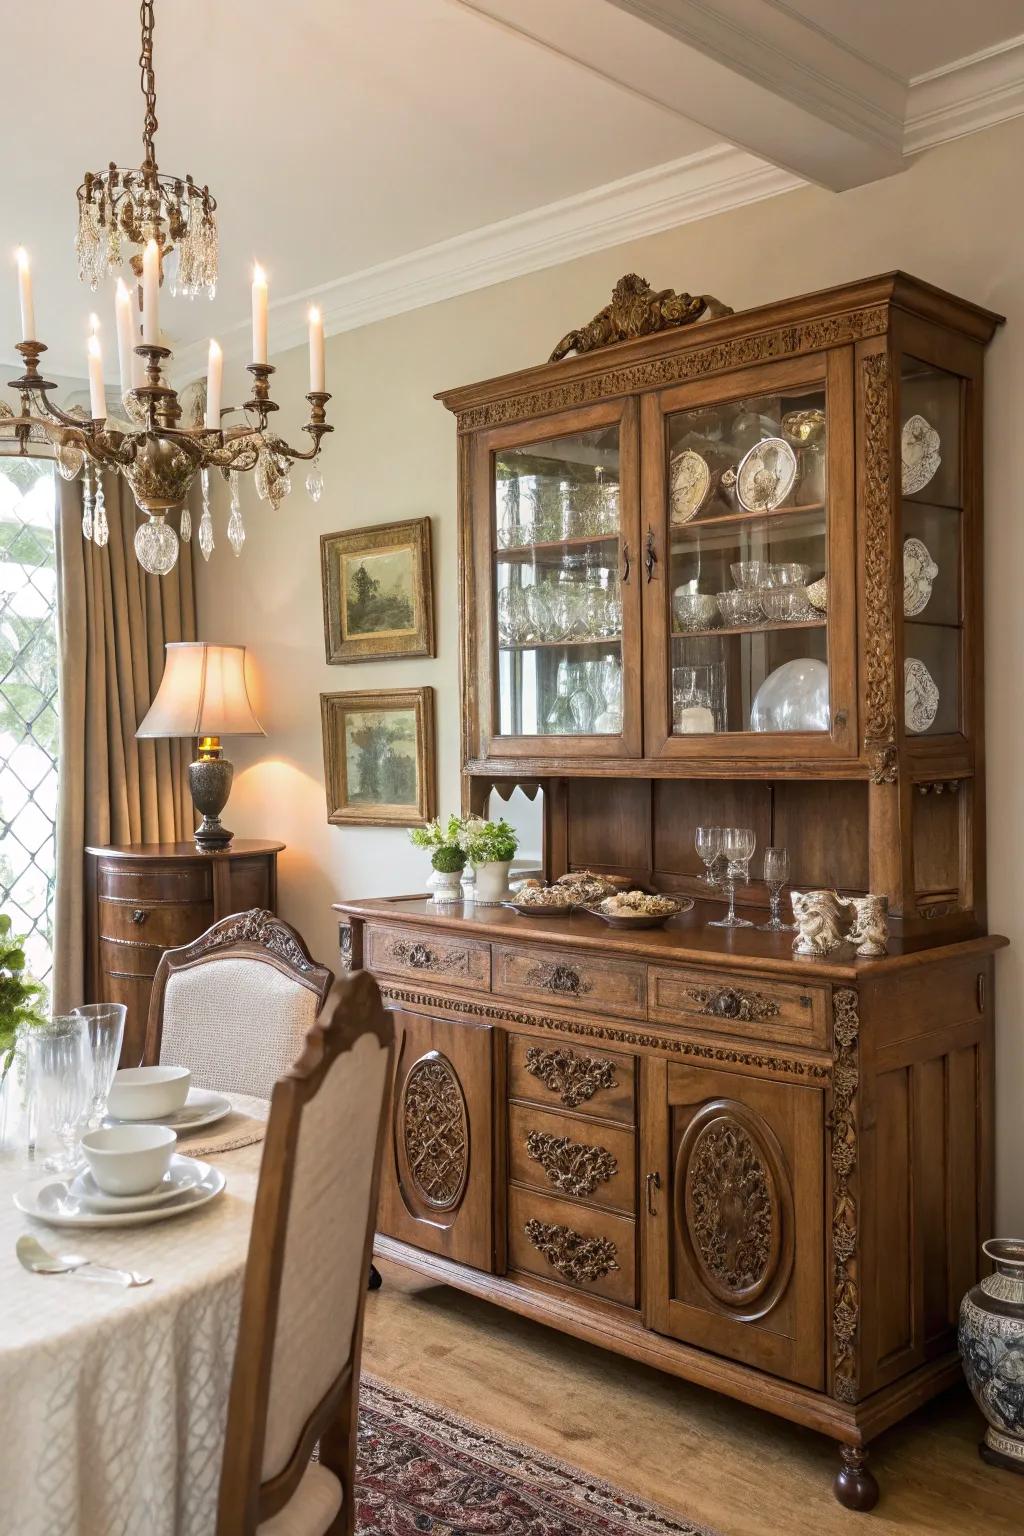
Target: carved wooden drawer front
<point x="429" y="954"/>
<point x="559" y="976"/>
<point x="573" y="1245"/>
<point x="580" y="1159"/>
<point x="155" y="882"/>
<point x="582" y="1077"/>
<point x="750" y="1006"/>
<point x="130" y="959"/>
<point x="166" y="924"/>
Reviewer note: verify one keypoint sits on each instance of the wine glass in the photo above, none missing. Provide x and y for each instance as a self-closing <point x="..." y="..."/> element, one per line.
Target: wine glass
<point x="60" y="1078"/>
<point x="104" y="1023"/>
<point x="776" y="875"/>
<point x="708" y="843"/>
<point x="738" y="845"/>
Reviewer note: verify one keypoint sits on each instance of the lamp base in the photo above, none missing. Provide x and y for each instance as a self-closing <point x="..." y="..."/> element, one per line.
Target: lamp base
<point x="209" y="782"/>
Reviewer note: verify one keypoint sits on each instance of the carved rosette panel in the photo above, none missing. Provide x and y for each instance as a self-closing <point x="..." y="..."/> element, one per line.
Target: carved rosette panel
<point x="573" y="1077"/>
<point x="880" y="643"/>
<point x="562" y="979"/>
<point x="731" y="1003"/>
<point x="735" y="1206"/>
<point x="433" y="1131"/>
<point x="844" y="1234"/>
<point x="420" y="957"/>
<point x="576" y="1257"/>
<point x="572" y="1166"/>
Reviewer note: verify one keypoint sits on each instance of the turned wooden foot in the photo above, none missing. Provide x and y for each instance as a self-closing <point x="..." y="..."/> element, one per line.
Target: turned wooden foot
<point x="854" y="1486"/>
<point x="376" y="1279"/>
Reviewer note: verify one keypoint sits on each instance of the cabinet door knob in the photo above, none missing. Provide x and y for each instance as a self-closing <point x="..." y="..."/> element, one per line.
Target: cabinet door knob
<point x="139" y="915"/>
<point x="625" y="564"/>
<point x="653" y="1183"/>
<point x="651" y="557"/>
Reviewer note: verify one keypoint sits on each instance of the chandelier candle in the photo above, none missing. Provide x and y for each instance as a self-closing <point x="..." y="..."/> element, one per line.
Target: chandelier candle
<point x="97" y="393"/>
<point x="125" y="334"/>
<point x="28" y="312"/>
<point x="259" y="315"/>
<point x="214" y="383"/>
<point x="316" y="352"/>
<point x="151" y="294"/>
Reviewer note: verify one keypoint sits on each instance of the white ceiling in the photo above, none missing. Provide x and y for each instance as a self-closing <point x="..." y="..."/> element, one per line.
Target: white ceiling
<point x="342" y="134"/>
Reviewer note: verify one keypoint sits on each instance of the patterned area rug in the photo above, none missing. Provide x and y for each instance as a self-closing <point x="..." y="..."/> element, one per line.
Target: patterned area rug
<point x="421" y="1469"/>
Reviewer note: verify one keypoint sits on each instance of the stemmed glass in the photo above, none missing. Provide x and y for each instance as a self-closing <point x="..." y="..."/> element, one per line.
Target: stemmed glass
<point x="104" y="1023"/>
<point x="738" y="845"/>
<point x="708" y="843"/>
<point x="60" y="1080"/>
<point x="776" y="875"/>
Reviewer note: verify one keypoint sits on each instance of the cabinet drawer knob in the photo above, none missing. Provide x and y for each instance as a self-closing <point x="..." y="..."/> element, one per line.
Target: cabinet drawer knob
<point x="139" y="915"/>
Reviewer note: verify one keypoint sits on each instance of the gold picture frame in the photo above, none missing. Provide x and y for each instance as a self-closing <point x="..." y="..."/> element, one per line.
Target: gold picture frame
<point x="378" y="592"/>
<point x="379" y="757"/>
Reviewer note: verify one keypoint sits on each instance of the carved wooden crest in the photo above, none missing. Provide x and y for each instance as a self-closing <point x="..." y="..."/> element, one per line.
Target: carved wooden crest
<point x="637" y="310"/>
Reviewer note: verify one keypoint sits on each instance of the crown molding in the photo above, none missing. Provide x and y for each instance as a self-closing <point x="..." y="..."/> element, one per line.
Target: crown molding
<point x="970" y="94"/>
<point x="647" y="203"/>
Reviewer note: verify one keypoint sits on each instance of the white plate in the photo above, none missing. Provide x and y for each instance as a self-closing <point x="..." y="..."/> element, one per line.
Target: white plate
<point x="689" y="481"/>
<point x="765" y="476"/>
<point x="51" y="1201"/>
<point x="202" y="1108"/>
<point x="919" y="571"/>
<point x="921" y="695"/>
<point x="919" y="448"/>
<point x="184" y="1173"/>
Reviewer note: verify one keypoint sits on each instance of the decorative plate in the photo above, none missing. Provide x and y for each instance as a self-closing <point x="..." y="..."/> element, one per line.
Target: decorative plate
<point x="202" y="1108"/>
<point x="689" y="480"/>
<point x="51" y="1200"/>
<point x="562" y="909"/>
<point x="919" y="571"/>
<point x="921" y="694"/>
<point x="766" y="475"/>
<point x="638" y="920"/>
<point x="920" y="454"/>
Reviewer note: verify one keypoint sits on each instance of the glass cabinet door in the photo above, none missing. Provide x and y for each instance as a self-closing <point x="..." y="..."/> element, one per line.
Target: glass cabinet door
<point x="562" y="594"/>
<point x="750" y="604"/>
<point x="932" y="513"/>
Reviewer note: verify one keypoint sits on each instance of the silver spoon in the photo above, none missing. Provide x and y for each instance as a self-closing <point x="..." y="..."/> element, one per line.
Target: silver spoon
<point x="39" y="1261"/>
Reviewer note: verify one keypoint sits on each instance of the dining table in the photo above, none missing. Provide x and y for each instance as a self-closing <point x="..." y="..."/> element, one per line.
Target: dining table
<point x="113" y="1401"/>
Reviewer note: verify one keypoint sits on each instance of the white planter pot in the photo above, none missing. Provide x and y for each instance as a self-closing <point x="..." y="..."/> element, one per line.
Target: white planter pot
<point x="492" y="883"/>
<point x="445" y="885"/>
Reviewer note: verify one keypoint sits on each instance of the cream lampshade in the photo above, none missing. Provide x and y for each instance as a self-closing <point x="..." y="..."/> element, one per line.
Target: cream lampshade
<point x="203" y="694"/>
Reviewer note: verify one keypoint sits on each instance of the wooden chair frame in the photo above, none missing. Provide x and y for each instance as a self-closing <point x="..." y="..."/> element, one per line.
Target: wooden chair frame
<point x="353" y="1009"/>
<point x="255" y="934"/>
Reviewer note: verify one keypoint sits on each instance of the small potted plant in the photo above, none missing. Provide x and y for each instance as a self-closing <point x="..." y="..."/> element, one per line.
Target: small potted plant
<point x="20" y="996"/>
<point x="448" y="858"/>
<point x="490" y="847"/>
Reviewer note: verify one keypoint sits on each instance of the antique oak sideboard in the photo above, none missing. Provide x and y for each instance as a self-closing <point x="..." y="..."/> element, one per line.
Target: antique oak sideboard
<point x="764" y="1173"/>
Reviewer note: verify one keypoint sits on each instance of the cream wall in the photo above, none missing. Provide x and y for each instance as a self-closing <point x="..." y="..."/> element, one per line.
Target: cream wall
<point x="953" y="219"/>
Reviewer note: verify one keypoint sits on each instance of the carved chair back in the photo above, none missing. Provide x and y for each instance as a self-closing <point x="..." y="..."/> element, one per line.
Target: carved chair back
<point x="296" y="1373"/>
<point x="235" y="1004"/>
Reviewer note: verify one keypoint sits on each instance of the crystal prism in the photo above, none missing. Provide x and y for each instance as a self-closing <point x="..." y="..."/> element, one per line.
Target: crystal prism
<point x="69" y="460"/>
<point x="156" y="546"/>
<point x="236" y="531"/>
<point x="315" y="481"/>
<point x="100" y="529"/>
<point x="185" y="528"/>
<point x="206" y="533"/>
<point x="86" y="515"/>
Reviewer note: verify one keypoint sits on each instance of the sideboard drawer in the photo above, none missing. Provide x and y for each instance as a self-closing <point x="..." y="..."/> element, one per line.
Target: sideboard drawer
<point x="591" y="1081"/>
<point x="166" y="924"/>
<point x="155" y="882"/>
<point x="426" y="953"/>
<point x="561" y="1154"/>
<point x="119" y="957"/>
<point x="573" y="1245"/>
<point x="788" y="1012"/>
<point x="551" y="975"/>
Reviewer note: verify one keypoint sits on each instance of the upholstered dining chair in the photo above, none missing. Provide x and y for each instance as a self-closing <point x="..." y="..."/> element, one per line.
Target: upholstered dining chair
<point x="235" y="1004"/>
<point x="296" y="1372"/>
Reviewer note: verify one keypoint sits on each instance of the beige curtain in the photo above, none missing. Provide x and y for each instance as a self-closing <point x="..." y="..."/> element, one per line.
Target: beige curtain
<point x="113" y="622"/>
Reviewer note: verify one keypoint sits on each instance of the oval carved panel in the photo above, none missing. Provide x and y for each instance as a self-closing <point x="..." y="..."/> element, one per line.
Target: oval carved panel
<point x="735" y="1207"/>
<point x="432" y="1128"/>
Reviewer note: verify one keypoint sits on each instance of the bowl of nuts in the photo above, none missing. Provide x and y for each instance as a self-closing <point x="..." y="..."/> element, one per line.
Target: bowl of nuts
<point x="639" y="909"/>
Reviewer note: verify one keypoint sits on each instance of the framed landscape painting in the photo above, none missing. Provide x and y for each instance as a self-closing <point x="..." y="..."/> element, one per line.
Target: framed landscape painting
<point x="379" y="757"/>
<point x="378" y="592"/>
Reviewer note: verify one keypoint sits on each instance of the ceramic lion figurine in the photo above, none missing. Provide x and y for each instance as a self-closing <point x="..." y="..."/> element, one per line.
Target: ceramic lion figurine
<point x="636" y="310"/>
<point x="870" y="925"/>
<point x="821" y="921"/>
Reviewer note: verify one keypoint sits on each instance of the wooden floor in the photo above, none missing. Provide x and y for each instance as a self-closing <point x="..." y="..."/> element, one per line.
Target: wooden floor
<point x="741" y="1472"/>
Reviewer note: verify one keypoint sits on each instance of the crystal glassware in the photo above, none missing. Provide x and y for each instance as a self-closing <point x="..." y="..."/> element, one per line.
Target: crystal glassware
<point x="738" y="845"/>
<point x="104" y="1023"/>
<point x="776" y="875"/>
<point x="60" y="1082"/>
<point x="708" y="843"/>
<point x="609" y="682"/>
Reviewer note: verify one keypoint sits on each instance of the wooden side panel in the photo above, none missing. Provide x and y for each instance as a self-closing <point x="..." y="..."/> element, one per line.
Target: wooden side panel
<point x="609" y="824"/>
<point x="251" y="884"/>
<point x="891" y="1302"/>
<point x="437" y="1182"/>
<point x="825" y="828"/>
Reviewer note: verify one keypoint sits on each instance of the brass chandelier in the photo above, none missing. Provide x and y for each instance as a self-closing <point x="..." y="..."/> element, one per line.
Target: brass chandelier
<point x="158" y="456"/>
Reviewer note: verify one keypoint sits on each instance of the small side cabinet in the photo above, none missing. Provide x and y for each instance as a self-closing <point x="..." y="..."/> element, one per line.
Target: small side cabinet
<point x="144" y="898"/>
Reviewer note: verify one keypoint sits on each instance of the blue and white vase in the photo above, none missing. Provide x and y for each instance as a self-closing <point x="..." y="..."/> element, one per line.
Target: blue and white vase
<point x="992" y="1351"/>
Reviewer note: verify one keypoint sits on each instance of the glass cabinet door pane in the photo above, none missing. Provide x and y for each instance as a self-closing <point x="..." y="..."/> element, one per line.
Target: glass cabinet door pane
<point x="931" y="405"/>
<point x="749" y="538"/>
<point x="558" y="603"/>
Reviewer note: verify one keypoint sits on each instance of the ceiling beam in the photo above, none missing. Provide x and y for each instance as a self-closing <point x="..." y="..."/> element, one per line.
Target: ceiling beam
<point x="751" y="71"/>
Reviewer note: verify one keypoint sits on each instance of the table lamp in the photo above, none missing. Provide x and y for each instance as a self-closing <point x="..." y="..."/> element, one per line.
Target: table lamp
<point x="203" y="694"/>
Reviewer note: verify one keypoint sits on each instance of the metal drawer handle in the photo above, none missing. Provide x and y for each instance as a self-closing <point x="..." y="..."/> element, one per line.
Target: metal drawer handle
<point x="563" y="979"/>
<point x="139" y="915"/>
<point x="730" y="1003"/>
<point x="651" y="557"/>
<point x="625" y="564"/>
<point x="577" y="1258"/>
<point x="574" y="1167"/>
<point x="573" y="1077"/>
<point x="653" y="1183"/>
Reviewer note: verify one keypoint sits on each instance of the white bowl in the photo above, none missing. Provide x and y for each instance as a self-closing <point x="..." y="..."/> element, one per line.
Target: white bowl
<point x="148" y="1093"/>
<point x="129" y="1159"/>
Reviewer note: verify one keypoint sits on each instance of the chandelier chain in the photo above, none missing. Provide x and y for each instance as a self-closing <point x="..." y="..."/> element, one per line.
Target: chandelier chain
<point x="148" y="20"/>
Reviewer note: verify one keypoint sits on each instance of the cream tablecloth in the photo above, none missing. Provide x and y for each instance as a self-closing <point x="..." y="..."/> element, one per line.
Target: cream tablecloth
<point x="113" y="1402"/>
